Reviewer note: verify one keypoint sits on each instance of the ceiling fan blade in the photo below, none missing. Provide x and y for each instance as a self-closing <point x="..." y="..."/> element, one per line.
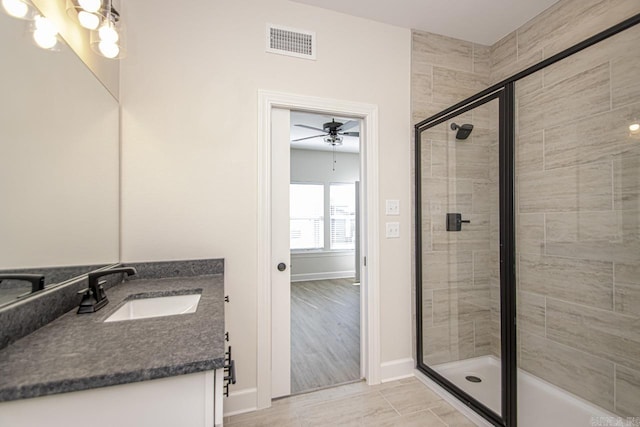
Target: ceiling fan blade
<point x="310" y="127"/>
<point x="356" y="134"/>
<point x="308" y="137"/>
<point x="350" y="124"/>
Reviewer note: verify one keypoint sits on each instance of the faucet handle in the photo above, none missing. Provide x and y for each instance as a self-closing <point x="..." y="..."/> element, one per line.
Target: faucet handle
<point x="89" y="302"/>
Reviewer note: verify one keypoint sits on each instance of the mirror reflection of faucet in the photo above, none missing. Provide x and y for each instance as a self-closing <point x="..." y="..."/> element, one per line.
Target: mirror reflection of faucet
<point x="36" y="280"/>
<point x="94" y="297"/>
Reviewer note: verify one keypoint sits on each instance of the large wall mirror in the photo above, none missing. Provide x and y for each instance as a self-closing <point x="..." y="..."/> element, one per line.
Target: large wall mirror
<point x="59" y="165"/>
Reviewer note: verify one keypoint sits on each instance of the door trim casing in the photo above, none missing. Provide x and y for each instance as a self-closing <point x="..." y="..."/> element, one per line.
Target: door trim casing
<point x="370" y="291"/>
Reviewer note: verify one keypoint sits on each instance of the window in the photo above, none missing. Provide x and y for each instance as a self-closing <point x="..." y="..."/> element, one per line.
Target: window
<point x="307" y="216"/>
<point x="342" y="211"/>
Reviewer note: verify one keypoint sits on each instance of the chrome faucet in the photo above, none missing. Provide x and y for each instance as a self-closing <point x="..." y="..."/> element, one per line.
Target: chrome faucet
<point x="94" y="297"/>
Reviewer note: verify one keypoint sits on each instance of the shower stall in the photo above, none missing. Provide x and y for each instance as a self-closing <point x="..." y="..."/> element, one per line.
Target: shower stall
<point x="528" y="241"/>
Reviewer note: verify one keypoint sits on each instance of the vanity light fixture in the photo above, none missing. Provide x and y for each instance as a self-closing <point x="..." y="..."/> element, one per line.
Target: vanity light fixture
<point x="44" y="31"/>
<point x="108" y="39"/>
<point x="98" y="16"/>
<point x="21" y="9"/>
<point x="103" y="22"/>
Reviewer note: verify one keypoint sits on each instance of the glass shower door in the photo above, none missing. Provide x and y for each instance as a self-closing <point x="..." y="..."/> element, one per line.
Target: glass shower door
<point x="459" y="261"/>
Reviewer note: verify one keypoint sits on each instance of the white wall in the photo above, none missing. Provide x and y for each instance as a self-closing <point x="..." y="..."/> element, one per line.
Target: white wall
<point x="317" y="167"/>
<point x="189" y="89"/>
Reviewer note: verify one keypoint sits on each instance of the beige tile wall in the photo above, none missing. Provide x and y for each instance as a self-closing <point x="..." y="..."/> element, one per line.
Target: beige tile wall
<point x="578" y="216"/>
<point x="578" y="202"/>
<point x="457" y="177"/>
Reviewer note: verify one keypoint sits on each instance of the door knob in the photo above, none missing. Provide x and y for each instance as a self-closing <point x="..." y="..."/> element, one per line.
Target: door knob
<point x="282" y="266"/>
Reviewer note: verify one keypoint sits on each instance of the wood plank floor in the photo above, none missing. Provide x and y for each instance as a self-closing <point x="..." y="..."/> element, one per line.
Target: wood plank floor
<point x="325" y="333"/>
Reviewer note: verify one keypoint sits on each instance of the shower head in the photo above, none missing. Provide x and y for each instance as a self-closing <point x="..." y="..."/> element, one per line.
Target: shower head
<point x="463" y="131"/>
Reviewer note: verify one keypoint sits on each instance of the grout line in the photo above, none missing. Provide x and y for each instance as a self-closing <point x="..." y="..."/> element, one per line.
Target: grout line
<point x="585" y="352"/>
<point x="544" y="147"/>
<point x="545" y="316"/>
<point x="440" y="418"/>
<point x="389" y="403"/>
<point x="588" y="260"/>
<point x="610" y="88"/>
<point x="430" y="163"/>
<point x="615" y="388"/>
<point x="630" y="316"/>
<point x="613" y="186"/>
<point x="473" y="57"/>
<point x="432" y="86"/>
<point x="613" y="273"/>
<point x="544" y="234"/>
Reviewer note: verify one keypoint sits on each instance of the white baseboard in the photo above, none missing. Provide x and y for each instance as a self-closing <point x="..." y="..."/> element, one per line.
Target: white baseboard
<point x="468" y="412"/>
<point x="241" y="401"/>
<point x="323" y="276"/>
<point x="396" y="369"/>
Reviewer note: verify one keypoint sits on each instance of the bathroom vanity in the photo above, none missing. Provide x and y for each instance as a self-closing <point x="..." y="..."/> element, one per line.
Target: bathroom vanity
<point x="59" y="186"/>
<point x="159" y="371"/>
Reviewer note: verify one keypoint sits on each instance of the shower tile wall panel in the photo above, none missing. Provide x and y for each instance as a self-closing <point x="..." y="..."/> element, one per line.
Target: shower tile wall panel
<point x="577" y="204"/>
<point x="459" y="268"/>
<point x="559" y="27"/>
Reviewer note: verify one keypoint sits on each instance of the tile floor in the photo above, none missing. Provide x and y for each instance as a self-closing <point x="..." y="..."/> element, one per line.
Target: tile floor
<point x="403" y="403"/>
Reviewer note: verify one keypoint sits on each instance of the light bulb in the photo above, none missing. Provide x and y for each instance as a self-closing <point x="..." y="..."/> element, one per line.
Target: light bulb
<point x="108" y="33"/>
<point x="88" y="20"/>
<point x="90" y="5"/>
<point x="45" y="25"/>
<point x="634" y="128"/>
<point x="45" y="33"/>
<point x="15" y="8"/>
<point x="44" y="39"/>
<point x="108" y="49"/>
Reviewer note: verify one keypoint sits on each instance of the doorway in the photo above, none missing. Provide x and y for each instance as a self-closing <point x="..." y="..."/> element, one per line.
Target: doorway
<point x="274" y="327"/>
<point x="323" y="214"/>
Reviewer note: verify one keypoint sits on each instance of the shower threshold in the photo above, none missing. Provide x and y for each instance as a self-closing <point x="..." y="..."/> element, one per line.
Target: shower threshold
<point x="540" y="404"/>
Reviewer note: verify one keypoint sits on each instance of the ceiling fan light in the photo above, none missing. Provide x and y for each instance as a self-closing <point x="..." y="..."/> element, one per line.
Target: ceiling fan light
<point x="333" y="140"/>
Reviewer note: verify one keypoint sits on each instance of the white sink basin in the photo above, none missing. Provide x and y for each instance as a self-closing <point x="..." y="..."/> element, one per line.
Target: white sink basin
<point x="156" y="307"/>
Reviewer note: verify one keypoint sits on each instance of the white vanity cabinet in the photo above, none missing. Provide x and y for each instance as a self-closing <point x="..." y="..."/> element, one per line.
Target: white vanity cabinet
<point x="191" y="400"/>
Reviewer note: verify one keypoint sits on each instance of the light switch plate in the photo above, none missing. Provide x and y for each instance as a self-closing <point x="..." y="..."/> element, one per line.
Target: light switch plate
<point x="393" y="230"/>
<point x="393" y="207"/>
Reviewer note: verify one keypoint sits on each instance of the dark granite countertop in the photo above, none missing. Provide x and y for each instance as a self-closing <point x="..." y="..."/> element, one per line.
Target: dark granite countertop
<point x="79" y="352"/>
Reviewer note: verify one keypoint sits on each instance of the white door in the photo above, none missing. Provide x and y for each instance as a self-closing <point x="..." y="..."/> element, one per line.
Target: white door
<point x="280" y="254"/>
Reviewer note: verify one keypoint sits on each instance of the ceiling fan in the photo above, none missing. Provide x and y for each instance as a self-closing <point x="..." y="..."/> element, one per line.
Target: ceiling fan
<point x="332" y="131"/>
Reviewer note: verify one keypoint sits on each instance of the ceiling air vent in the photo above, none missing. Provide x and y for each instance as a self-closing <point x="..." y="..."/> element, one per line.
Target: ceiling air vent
<point x="288" y="41"/>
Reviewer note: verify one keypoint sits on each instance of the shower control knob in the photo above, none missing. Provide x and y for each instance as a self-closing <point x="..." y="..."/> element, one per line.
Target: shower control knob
<point x="282" y="266"/>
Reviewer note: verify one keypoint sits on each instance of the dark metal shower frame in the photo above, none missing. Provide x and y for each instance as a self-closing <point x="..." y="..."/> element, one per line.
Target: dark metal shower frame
<point x="504" y="91"/>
